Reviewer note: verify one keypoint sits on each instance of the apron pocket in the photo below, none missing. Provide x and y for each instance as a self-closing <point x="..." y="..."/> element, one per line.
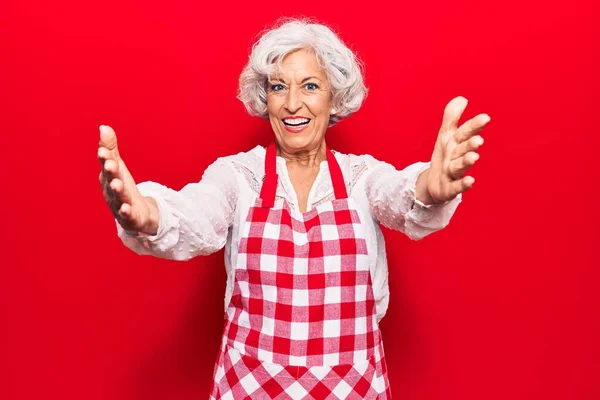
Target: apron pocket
<point x="247" y="376"/>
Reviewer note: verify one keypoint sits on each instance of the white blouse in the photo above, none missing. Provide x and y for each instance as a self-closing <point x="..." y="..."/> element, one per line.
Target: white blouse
<point x="205" y="216"/>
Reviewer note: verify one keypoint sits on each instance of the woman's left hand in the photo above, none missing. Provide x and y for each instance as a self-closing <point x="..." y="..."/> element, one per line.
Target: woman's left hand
<point x="454" y="153"/>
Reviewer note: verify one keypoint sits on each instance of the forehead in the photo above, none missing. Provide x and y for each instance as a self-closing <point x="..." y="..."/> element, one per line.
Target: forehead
<point x="299" y="64"/>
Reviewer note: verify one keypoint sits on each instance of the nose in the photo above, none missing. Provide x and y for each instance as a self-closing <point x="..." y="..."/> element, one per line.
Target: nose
<point x="293" y="100"/>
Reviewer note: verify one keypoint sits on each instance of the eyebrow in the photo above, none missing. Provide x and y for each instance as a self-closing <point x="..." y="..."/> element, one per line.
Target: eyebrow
<point x="309" y="78"/>
<point x="303" y="80"/>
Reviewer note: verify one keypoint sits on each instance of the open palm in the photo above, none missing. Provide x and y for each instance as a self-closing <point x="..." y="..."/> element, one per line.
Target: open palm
<point x="455" y="152"/>
<point x="125" y="201"/>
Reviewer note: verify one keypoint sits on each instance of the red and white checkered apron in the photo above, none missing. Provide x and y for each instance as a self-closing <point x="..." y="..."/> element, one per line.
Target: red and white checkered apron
<point x="301" y="323"/>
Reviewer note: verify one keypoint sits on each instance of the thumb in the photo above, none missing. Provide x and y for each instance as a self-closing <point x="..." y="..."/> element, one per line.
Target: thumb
<point x="453" y="112"/>
<point x="108" y="139"/>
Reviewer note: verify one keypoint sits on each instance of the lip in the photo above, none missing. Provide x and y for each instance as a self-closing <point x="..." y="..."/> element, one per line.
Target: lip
<point x="294" y="129"/>
<point x="295" y="117"/>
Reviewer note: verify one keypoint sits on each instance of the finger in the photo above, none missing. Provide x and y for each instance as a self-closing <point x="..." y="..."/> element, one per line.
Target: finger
<point x="108" y="139"/>
<point x="126" y="212"/>
<point x="112" y="169"/>
<point x="472" y="127"/>
<point x="459" y="166"/>
<point x="462" y="185"/>
<point x="452" y="113"/>
<point x="118" y="189"/>
<point x="103" y="154"/>
<point x="105" y="175"/>
<point x="472" y="144"/>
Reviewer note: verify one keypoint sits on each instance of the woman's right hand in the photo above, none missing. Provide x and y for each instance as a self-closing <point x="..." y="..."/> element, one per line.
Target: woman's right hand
<point x="132" y="210"/>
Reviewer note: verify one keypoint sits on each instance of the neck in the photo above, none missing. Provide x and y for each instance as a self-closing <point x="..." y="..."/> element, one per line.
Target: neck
<point x="305" y="158"/>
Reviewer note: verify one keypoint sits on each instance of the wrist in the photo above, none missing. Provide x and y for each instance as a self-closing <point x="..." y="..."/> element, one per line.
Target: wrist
<point x="421" y="192"/>
<point x="152" y="225"/>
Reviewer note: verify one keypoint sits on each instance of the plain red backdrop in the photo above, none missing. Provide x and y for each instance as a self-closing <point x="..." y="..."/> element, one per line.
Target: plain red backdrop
<point x="501" y="304"/>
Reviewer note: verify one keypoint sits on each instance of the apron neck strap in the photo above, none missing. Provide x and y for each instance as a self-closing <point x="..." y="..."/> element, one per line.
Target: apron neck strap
<point x="337" y="178"/>
<point x="269" y="187"/>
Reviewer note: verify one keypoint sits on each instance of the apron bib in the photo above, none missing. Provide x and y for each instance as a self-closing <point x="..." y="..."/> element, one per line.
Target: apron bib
<point x="301" y="323"/>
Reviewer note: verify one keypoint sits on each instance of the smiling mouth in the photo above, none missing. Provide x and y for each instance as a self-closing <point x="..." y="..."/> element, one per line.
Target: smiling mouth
<point x="296" y="122"/>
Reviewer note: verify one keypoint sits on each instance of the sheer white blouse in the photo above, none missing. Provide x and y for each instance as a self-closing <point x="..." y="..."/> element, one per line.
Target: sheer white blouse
<point x="205" y="216"/>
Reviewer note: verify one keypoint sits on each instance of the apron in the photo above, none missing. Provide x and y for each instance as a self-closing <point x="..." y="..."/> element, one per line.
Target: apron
<point x="301" y="323"/>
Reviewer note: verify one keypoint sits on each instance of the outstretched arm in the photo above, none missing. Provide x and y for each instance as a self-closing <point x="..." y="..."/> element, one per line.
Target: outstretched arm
<point x="422" y="198"/>
<point x="153" y="219"/>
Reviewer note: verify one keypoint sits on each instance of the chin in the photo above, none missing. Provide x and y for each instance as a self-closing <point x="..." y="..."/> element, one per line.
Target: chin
<point x="296" y="141"/>
<point x="300" y="140"/>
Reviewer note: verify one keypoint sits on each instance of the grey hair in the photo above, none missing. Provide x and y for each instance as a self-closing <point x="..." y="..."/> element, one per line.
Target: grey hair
<point x="343" y="68"/>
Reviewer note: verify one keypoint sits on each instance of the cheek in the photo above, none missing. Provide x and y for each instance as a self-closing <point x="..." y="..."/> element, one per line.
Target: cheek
<point x="320" y="107"/>
<point x="272" y="108"/>
<point x="321" y="102"/>
<point x="275" y="104"/>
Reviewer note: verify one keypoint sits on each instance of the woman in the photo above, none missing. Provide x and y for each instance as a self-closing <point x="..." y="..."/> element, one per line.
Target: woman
<point x="305" y="257"/>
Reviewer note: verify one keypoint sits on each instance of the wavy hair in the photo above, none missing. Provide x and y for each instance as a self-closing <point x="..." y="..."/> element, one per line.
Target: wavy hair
<point x="343" y="68"/>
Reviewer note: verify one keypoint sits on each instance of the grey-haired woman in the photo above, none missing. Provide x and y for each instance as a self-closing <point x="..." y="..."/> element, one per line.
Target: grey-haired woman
<point x="300" y="223"/>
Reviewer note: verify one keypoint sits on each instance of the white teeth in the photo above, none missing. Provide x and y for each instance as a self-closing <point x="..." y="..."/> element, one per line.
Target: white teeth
<point x="296" y="121"/>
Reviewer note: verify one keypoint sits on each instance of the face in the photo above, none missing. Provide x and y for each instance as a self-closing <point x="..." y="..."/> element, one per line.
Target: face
<point x="299" y="102"/>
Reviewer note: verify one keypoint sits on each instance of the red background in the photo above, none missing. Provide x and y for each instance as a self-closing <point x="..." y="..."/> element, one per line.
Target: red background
<point x="501" y="304"/>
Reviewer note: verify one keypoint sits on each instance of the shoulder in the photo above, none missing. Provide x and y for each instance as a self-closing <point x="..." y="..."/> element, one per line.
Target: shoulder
<point x="356" y="166"/>
<point x="356" y="160"/>
<point x="247" y="166"/>
<point x="252" y="159"/>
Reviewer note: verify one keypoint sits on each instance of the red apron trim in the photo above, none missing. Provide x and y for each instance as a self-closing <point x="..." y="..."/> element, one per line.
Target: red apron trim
<point x="269" y="187"/>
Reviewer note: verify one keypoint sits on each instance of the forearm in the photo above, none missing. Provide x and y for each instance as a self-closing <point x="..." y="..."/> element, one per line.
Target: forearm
<point x="179" y="228"/>
<point x="192" y="221"/>
<point x="391" y="193"/>
<point x="399" y="200"/>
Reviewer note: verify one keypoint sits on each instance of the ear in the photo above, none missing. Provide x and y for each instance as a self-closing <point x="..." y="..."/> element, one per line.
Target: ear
<point x="333" y="111"/>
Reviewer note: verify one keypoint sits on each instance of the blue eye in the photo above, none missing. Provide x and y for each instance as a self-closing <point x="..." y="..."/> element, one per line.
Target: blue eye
<point x="276" y="87"/>
<point x="311" y="86"/>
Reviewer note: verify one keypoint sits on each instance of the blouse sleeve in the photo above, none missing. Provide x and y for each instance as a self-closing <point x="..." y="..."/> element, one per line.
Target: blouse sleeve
<point x="193" y="221"/>
<point x="392" y="200"/>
